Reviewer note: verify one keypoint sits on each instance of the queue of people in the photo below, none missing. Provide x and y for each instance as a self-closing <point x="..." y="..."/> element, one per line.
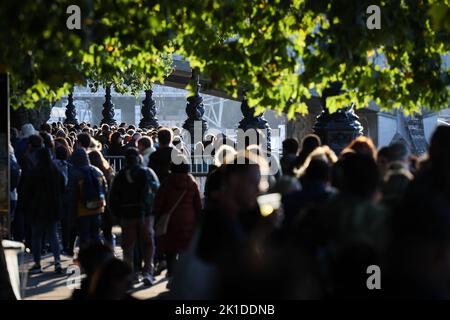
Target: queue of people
<point x="336" y="215"/>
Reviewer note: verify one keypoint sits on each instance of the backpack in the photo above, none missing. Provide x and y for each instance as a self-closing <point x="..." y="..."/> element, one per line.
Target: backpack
<point x="132" y="193"/>
<point x="93" y="193"/>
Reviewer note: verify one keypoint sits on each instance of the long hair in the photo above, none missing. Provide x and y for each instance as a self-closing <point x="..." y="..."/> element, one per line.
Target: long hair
<point x="113" y="139"/>
<point x="363" y="145"/>
<point x="97" y="160"/>
<point x="63" y="142"/>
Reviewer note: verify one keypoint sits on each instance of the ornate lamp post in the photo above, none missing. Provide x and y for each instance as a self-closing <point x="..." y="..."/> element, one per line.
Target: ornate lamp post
<point x="108" y="109"/>
<point x="338" y="129"/>
<point x="195" y="111"/>
<point x="71" y="115"/>
<point x="148" y="110"/>
<point x="252" y="121"/>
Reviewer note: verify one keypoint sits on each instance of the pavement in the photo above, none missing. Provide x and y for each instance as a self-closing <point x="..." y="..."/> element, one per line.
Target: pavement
<point x="49" y="285"/>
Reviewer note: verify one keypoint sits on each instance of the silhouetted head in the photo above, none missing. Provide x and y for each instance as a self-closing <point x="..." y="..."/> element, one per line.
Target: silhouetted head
<point x="93" y="256"/>
<point x="80" y="158"/>
<point x="310" y="142"/>
<point x="116" y="138"/>
<point x="318" y="171"/>
<point x="112" y="281"/>
<point x="165" y="136"/>
<point x="62" y="153"/>
<point x="290" y="146"/>
<point x="35" y="141"/>
<point x="132" y="157"/>
<point x="84" y="140"/>
<point x="144" y="143"/>
<point x="363" y="145"/>
<point x="398" y="152"/>
<point x="440" y="146"/>
<point x="360" y="175"/>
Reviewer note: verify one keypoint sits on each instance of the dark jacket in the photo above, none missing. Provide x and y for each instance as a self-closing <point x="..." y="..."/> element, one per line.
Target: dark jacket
<point x="132" y="193"/>
<point x="160" y="161"/>
<point x="115" y="150"/>
<point x="288" y="164"/>
<point x="184" y="216"/>
<point x="293" y="203"/>
<point x="14" y="171"/>
<point x="43" y="195"/>
<point x="77" y="177"/>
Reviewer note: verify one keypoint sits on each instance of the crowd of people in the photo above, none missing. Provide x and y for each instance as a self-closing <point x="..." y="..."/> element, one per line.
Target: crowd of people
<point x="338" y="214"/>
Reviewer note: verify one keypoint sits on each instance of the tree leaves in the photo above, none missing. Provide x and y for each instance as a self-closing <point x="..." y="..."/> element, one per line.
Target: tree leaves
<point x="275" y="51"/>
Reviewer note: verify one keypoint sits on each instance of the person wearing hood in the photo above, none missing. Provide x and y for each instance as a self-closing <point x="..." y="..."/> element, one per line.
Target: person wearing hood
<point x="178" y="201"/>
<point x="43" y="191"/>
<point x="131" y="201"/>
<point x="27" y="162"/>
<point x="21" y="145"/>
<point x="87" y="196"/>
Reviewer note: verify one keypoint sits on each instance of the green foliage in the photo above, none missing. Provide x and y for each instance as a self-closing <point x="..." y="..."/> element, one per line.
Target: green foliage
<point x="276" y="51"/>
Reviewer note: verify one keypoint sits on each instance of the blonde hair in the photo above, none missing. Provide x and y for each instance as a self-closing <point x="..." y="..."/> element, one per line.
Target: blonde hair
<point x="363" y="145"/>
<point x="224" y="154"/>
<point x="320" y="153"/>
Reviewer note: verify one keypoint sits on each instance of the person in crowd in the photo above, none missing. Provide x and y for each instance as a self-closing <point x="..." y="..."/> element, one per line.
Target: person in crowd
<point x="22" y="144"/>
<point x="27" y="163"/>
<point x="177" y="207"/>
<point x="14" y="176"/>
<point x="14" y="137"/>
<point x="133" y="141"/>
<point x="90" y="259"/>
<point x="112" y="281"/>
<point x="145" y="147"/>
<point x="68" y="230"/>
<point x="309" y="143"/>
<point x="62" y="162"/>
<point x="316" y="186"/>
<point x="233" y="234"/>
<point x="353" y="228"/>
<point x="397" y="176"/>
<point x="83" y="141"/>
<point x="131" y="200"/>
<point x="383" y="160"/>
<point x="60" y="134"/>
<point x="289" y="159"/>
<point x="28" y="160"/>
<point x="161" y="159"/>
<point x="418" y="265"/>
<point x="63" y="142"/>
<point x="116" y="145"/>
<point x="122" y="131"/>
<point x="46" y="128"/>
<point x="228" y="216"/>
<point x="44" y="189"/>
<point x="87" y="197"/>
<point x="363" y="145"/>
<point x="97" y="160"/>
<point x="103" y="135"/>
<point x="48" y="142"/>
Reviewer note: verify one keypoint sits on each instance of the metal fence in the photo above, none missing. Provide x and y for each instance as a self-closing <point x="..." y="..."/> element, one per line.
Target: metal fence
<point x="199" y="167"/>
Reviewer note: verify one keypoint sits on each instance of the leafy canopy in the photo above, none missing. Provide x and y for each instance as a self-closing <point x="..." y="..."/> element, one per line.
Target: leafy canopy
<point x="276" y="51"/>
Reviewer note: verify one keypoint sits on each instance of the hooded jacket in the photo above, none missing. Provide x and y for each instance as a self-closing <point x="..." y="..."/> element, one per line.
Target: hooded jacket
<point x="43" y="191"/>
<point x="133" y="191"/>
<point x="81" y="173"/>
